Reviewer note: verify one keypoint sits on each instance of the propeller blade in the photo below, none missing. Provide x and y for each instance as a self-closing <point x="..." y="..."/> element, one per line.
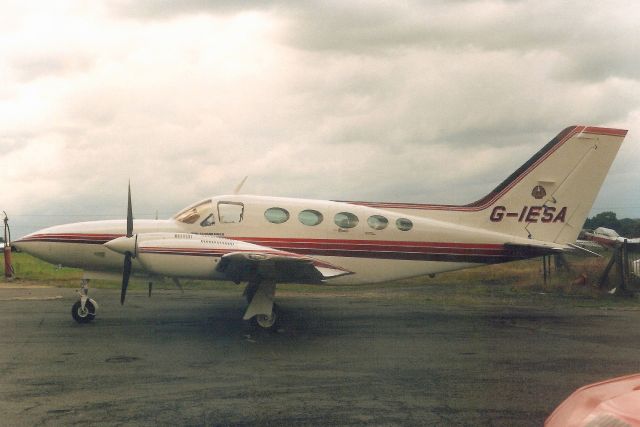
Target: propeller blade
<point x="129" y="214"/>
<point x="125" y="276"/>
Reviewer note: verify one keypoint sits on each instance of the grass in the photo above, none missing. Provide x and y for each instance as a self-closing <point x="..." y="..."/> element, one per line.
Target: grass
<point x="31" y="269"/>
<point x="504" y="284"/>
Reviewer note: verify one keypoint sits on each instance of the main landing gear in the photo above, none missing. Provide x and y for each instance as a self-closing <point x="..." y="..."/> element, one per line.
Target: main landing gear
<point x="84" y="310"/>
<point x="261" y="311"/>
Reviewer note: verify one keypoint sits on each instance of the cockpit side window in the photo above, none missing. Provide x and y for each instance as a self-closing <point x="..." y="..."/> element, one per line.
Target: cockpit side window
<point x="208" y="221"/>
<point x="193" y="213"/>
<point x="230" y="212"/>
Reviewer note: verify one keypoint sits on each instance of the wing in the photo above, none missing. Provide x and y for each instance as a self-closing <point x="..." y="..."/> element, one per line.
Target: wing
<point x="277" y="266"/>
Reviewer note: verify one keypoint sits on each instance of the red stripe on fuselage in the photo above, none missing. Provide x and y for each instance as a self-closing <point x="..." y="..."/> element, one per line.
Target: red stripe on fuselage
<point x="386" y="249"/>
<point x="97" y="239"/>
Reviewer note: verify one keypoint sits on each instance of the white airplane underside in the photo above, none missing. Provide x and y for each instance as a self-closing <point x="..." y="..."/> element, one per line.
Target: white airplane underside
<point x="537" y="210"/>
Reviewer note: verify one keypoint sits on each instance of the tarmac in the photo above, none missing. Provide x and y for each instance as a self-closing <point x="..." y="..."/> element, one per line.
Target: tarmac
<point x="189" y="359"/>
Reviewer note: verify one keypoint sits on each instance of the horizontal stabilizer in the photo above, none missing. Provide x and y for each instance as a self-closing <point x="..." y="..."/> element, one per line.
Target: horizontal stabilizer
<point x="584" y="251"/>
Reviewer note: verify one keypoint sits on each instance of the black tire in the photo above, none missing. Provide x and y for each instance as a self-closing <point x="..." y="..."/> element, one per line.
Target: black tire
<point x="267" y="323"/>
<point x="85" y="316"/>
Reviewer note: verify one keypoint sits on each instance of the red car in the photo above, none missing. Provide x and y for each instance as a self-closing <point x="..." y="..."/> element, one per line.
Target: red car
<point x="610" y="403"/>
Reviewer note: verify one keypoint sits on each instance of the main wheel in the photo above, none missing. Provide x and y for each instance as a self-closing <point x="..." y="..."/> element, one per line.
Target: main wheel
<point x="268" y="321"/>
<point x="83" y="316"/>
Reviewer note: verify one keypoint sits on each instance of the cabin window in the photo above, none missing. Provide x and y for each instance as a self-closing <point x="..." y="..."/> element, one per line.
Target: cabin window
<point x="377" y="222"/>
<point x="345" y="220"/>
<point x="310" y="217"/>
<point x="404" y="224"/>
<point x="276" y="215"/>
<point x="230" y="212"/>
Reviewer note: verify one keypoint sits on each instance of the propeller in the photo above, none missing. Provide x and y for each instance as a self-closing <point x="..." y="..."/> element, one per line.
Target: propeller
<point x="127" y="246"/>
<point x="126" y="271"/>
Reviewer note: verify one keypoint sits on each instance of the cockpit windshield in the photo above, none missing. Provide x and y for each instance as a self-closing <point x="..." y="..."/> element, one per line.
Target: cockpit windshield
<point x="193" y="213"/>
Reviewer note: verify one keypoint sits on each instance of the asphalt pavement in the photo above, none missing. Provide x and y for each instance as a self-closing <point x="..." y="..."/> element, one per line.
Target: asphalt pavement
<point x="189" y="359"/>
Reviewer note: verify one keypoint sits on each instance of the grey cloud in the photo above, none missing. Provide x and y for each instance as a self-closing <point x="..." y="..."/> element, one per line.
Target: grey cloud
<point x="599" y="41"/>
<point x="379" y="101"/>
<point x="167" y="9"/>
<point x="35" y="66"/>
<point x="9" y="144"/>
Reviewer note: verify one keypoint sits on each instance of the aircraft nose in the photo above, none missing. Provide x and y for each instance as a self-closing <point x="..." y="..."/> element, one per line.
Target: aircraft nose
<point x="18" y="244"/>
<point x="34" y="244"/>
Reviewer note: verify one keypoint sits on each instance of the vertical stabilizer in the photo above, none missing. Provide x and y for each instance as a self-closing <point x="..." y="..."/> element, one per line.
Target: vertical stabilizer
<point x="549" y="197"/>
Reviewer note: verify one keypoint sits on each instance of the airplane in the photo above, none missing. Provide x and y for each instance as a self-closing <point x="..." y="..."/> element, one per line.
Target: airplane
<point x="609" y="238"/>
<point x="262" y="241"/>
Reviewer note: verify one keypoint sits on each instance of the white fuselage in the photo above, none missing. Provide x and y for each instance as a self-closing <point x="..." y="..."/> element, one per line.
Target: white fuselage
<point x="374" y="244"/>
<point x="539" y="209"/>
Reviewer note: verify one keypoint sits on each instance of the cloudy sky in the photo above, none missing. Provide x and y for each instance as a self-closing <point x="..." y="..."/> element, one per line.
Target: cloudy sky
<point x="432" y="101"/>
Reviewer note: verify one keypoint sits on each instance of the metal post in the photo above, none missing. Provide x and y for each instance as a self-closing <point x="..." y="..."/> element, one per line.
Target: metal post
<point x="624" y="268"/>
<point x="626" y="264"/>
<point x="8" y="268"/>
<point x="604" y="278"/>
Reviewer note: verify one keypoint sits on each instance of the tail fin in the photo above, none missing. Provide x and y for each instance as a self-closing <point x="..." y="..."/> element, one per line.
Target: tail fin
<point x="549" y="197"/>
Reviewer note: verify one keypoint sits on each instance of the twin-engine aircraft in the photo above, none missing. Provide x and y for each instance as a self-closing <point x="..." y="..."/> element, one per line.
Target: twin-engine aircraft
<point x="539" y="209"/>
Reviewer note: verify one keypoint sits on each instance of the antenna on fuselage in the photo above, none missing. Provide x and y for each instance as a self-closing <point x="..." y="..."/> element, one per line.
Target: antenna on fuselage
<point x="239" y="187"/>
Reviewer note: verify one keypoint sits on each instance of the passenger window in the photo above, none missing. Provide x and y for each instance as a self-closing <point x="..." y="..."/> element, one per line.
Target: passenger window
<point x="276" y="215"/>
<point x="404" y="224"/>
<point x="377" y="222"/>
<point x="230" y="212"/>
<point x="208" y="221"/>
<point x="345" y="220"/>
<point x="310" y="217"/>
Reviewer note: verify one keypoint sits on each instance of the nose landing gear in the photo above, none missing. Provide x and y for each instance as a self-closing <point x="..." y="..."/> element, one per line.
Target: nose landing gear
<point x="84" y="310"/>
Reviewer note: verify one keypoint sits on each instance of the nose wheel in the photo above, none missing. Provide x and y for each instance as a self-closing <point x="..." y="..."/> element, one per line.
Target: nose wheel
<point x="84" y="310"/>
<point x="83" y="314"/>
